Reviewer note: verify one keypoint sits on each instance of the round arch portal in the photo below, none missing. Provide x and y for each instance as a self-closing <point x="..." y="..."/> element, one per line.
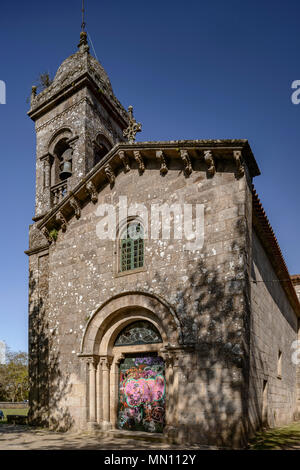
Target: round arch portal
<point x="104" y="356"/>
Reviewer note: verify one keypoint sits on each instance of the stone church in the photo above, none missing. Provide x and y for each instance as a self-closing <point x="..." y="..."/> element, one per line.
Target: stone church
<point x="136" y="333"/>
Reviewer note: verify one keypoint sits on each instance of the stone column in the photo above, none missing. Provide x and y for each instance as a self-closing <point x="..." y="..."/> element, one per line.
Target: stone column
<point x="47" y="182"/>
<point x="114" y="388"/>
<point x="47" y="172"/>
<point x="92" y="369"/>
<point x="105" y="365"/>
<point x="99" y="394"/>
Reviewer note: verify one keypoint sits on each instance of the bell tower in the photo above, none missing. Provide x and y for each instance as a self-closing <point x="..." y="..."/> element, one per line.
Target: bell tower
<point x="78" y="120"/>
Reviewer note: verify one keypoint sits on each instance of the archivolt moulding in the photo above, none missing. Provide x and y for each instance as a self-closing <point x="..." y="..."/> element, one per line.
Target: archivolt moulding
<point x="117" y="312"/>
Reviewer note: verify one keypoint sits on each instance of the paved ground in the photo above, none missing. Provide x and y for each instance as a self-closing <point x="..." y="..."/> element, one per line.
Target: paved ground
<point x="26" y="438"/>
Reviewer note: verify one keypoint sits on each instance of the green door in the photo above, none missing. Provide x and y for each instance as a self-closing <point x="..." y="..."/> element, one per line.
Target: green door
<point x="142" y="394"/>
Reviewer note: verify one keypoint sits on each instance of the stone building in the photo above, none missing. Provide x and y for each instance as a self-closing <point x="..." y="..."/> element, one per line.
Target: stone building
<point x="189" y="333"/>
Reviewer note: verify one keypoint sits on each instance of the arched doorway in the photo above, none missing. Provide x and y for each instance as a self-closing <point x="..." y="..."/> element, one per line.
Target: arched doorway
<point x="132" y="345"/>
<point x="142" y="381"/>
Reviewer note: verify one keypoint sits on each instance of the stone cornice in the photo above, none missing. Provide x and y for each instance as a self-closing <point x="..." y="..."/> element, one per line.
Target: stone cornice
<point x="114" y="107"/>
<point x="34" y="251"/>
<point x="107" y="170"/>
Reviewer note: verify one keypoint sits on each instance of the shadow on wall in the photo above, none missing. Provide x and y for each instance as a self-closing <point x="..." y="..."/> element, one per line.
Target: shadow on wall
<point x="48" y="384"/>
<point x="214" y="312"/>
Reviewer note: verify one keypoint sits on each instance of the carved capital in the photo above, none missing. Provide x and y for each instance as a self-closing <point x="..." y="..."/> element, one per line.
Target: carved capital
<point x="237" y="155"/>
<point x="60" y="218"/>
<point x="168" y="358"/>
<point x="125" y="160"/>
<point x="47" y="159"/>
<point x="187" y="162"/>
<point x="106" y="362"/>
<point x="109" y="174"/>
<point x="162" y="160"/>
<point x="209" y="160"/>
<point x="72" y="141"/>
<point x="91" y="189"/>
<point x="91" y="361"/>
<point x="138" y="157"/>
<point x="75" y="205"/>
<point x="119" y="358"/>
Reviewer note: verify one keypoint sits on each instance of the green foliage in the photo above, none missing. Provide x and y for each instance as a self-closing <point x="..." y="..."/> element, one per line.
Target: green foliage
<point x="287" y="437"/>
<point x="14" y="383"/>
<point x="53" y="234"/>
<point x="13" y="411"/>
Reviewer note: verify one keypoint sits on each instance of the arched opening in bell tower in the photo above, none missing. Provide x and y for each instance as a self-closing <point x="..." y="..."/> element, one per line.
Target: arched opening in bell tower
<point x="101" y="147"/>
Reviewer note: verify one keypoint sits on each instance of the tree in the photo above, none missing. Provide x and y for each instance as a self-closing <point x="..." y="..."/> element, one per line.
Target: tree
<point x="14" y="383"/>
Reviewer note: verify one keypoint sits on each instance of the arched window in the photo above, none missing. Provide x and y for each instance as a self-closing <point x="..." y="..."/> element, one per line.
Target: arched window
<point x="101" y="147"/>
<point x="139" y="332"/>
<point x="132" y="247"/>
<point x="63" y="161"/>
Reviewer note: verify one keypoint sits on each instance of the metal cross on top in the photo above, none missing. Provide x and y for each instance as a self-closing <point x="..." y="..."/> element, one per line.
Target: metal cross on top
<point x="133" y="128"/>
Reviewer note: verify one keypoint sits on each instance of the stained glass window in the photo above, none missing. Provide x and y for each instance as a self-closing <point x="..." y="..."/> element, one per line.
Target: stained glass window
<point x="132" y="247"/>
<point x="140" y="332"/>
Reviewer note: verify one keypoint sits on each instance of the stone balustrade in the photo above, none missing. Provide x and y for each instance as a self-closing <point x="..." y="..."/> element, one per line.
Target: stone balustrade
<point x="58" y="192"/>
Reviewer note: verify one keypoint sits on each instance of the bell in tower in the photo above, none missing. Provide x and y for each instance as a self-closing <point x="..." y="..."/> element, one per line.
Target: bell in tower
<point x="66" y="165"/>
<point x="78" y="120"/>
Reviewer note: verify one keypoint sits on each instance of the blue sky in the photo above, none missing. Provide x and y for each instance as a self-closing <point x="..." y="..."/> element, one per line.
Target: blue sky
<point x="192" y="70"/>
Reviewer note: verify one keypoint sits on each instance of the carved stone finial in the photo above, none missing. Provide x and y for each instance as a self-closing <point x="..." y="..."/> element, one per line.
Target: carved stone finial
<point x="209" y="160"/>
<point x="60" y="218"/>
<point x="110" y="174"/>
<point x="83" y="43"/>
<point x="237" y="154"/>
<point x="163" y="165"/>
<point x="138" y="157"/>
<point x="125" y="160"/>
<point x="187" y="162"/>
<point x="90" y="187"/>
<point x="33" y="93"/>
<point x="75" y="205"/>
<point x="133" y="128"/>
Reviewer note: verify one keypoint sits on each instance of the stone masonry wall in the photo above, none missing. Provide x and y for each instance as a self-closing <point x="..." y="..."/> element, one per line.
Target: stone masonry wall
<point x="39" y="338"/>
<point x="86" y="118"/>
<point x="297" y="288"/>
<point x="273" y="329"/>
<point x="207" y="288"/>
